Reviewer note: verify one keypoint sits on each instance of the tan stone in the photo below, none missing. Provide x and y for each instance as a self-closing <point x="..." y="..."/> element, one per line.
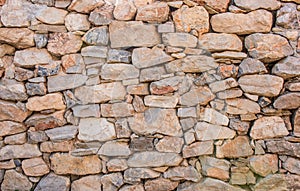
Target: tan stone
<point x="288" y="101"/>
<point x="287" y="68"/>
<point x="102" y="15"/>
<point x="139" y="89"/>
<point x="13" y="112"/>
<point x="16" y="139"/>
<point x="12" y="90"/>
<point x="87" y="183"/>
<point x="10" y="128"/>
<point x="178" y="173"/>
<point x="268" y="127"/>
<point x="7" y="164"/>
<point x="215" y="168"/>
<point x="251" y="66"/>
<point x="179" y="39"/>
<point x="15" y="181"/>
<point x="35" y="167"/>
<point x="85" y="6"/>
<point x="241" y="106"/>
<point x="264" y="165"/>
<point x="256" y="4"/>
<point x="30" y="57"/>
<point x="187" y="19"/>
<point x="119" y="72"/>
<point x="214" y="6"/>
<point x="65" y="81"/>
<point x="73" y="63"/>
<point x="155" y="12"/>
<point x="197" y="95"/>
<point x="48" y="28"/>
<point x="198" y="149"/>
<point x="161" y="101"/>
<point x="6" y="49"/>
<point x="160" y="184"/>
<point x="205" y="131"/>
<point x="283" y="147"/>
<point x="49" y="146"/>
<point x="52" y="15"/>
<point x="19" y="151"/>
<point x="124" y="10"/>
<point x="166" y="85"/>
<point x="223" y="85"/>
<point x="114" y="149"/>
<point x="136" y="187"/>
<point x="115" y="165"/>
<point x="49" y="101"/>
<point x="17" y="37"/>
<point x="292" y="165"/>
<point x="68" y="164"/>
<point x="296" y="123"/>
<point x="253" y="22"/>
<point x="238" y="147"/>
<point x="267" y="47"/>
<point x="170" y="144"/>
<point x="77" y="22"/>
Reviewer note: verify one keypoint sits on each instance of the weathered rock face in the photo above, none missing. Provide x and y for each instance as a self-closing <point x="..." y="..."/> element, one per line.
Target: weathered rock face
<point x="49" y="101"/>
<point x="183" y="173"/>
<point x="35" y="167"/>
<point x="17" y="37"/>
<point x="19" y="151"/>
<point x="179" y="39"/>
<point x="88" y="183"/>
<point x="205" y="131"/>
<point x="198" y="149"/>
<point x="238" y="147"/>
<point x="155" y="12"/>
<point x="85" y="6"/>
<point x="287" y="16"/>
<point x="264" y="164"/>
<point x="12" y="90"/>
<point x="15" y="181"/>
<point x="53" y="181"/>
<point x="64" y="82"/>
<point x="255" y="4"/>
<point x="287" y="101"/>
<point x="154" y="159"/>
<point x="31" y="57"/>
<point x="287" y="68"/>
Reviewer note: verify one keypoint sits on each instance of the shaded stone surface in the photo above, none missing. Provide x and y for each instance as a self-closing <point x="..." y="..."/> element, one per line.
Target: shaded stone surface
<point x="53" y="181"/>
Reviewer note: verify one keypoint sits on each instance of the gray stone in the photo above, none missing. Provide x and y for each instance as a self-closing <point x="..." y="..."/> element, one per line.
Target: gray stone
<point x="205" y="131"/>
<point x="77" y="22"/>
<point x="53" y="181"/>
<point x="87" y="183"/>
<point x="179" y="40"/>
<point x="96" y="36"/>
<point x="35" y="89"/>
<point x="115" y="56"/>
<point x="12" y="90"/>
<point x="94" y="51"/>
<point x="117" y="110"/>
<point x="283" y="147"/>
<point x="198" y="148"/>
<point x="119" y="72"/>
<point x="31" y="57"/>
<point x="73" y="63"/>
<point x="19" y="151"/>
<point x="256" y="4"/>
<point x="90" y="110"/>
<point x="241" y="106"/>
<point x="287" y="68"/>
<point x="15" y="181"/>
<point x="215" y="168"/>
<point x="102" y="15"/>
<point x="251" y="66"/>
<point x="64" y="82"/>
<point x="238" y="147"/>
<point x="40" y="40"/>
<point x="288" y="101"/>
<point x="16" y="139"/>
<point x="152" y="74"/>
<point x="292" y="165"/>
<point x="36" y="136"/>
<point x="166" y="85"/>
<point x="114" y="149"/>
<point x="223" y="85"/>
<point x="287" y="16"/>
<point x="62" y="133"/>
<point x="134" y="175"/>
<point x="179" y="173"/>
<point x="112" y="181"/>
<point x="160" y="184"/>
<point x="197" y="95"/>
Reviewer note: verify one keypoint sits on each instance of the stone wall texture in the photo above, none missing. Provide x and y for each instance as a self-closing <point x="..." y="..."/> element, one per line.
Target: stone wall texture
<point x="145" y="95"/>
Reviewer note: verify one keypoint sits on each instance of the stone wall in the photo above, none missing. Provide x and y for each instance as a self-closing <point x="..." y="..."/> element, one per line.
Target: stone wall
<point x="138" y="95"/>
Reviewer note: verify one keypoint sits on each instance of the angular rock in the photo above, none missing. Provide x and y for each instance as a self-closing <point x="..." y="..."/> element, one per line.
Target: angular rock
<point x="96" y="36"/>
<point x="6" y="49"/>
<point x="283" y="147"/>
<point x="287" y="68"/>
<point x="179" y="40"/>
<point x="63" y="43"/>
<point x="264" y="165"/>
<point x="242" y="176"/>
<point x="288" y="101"/>
<point x="35" y="167"/>
<point x="215" y="168"/>
<point x="12" y="112"/>
<point x="16" y="139"/>
<point x="15" y="181"/>
<point x="154" y="159"/>
<point x="19" y="151"/>
<point x="31" y="57"/>
<point x="119" y="72"/>
<point x="215" y="42"/>
<point x="197" y="95"/>
<point x="223" y="85"/>
<point x="117" y="110"/>
<point x="161" y="101"/>
<point x="85" y="6"/>
<point x="90" y="110"/>
<point x="226" y="55"/>
<point x="133" y="175"/>
<point x="115" y="165"/>
<point x="160" y="184"/>
<point x="141" y="144"/>
<point x="238" y="147"/>
<point x="114" y="149"/>
<point x="296" y="123"/>
<point x="35" y="89"/>
<point x="62" y="133"/>
<point x="52" y="15"/>
<point x="64" y="82"/>
<point x="136" y="31"/>
<point x="268" y="127"/>
<point x="188" y="173"/>
<point x="94" y="51"/>
<point x="112" y="181"/>
<point x="287" y="16"/>
<point x="49" y="146"/>
<point x="11" y="128"/>
<point x="48" y="28"/>
<point x="12" y="90"/>
<point x="265" y="47"/>
<point x="253" y="22"/>
<point x="49" y="101"/>
<point x="136" y="187"/>
<point x="156" y="120"/>
<point x="187" y="112"/>
<point x="278" y="182"/>
<point x="214" y="6"/>
<point x="17" y="37"/>
<point x="251" y="66"/>
<point x="198" y="149"/>
<point x="155" y="12"/>
<point x="68" y="164"/>
<point x="115" y="55"/>
<point x="194" y="18"/>
<point x="166" y="85"/>
<point x="77" y="22"/>
<point x="205" y="131"/>
<point x="139" y="89"/>
<point x="87" y="183"/>
<point x="152" y="74"/>
<point x="124" y="10"/>
<point x="256" y="4"/>
<point x="230" y="93"/>
<point x="102" y="15"/>
<point x="170" y="144"/>
<point x="292" y="165"/>
<point x="91" y="129"/>
<point x="146" y="57"/>
<point x="73" y="63"/>
<point x="241" y="106"/>
<point x="262" y="85"/>
<point x="53" y="181"/>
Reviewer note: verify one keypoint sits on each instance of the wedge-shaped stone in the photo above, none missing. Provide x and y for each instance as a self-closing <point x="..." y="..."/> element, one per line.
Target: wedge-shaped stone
<point x="264" y="165"/>
<point x="11" y="111"/>
<point x="192" y="64"/>
<point x="119" y="72"/>
<point x="117" y="110"/>
<point x="198" y="149"/>
<point x="124" y="10"/>
<point x="134" y="175"/>
<point x="135" y="34"/>
<point x="154" y="12"/>
<point x="257" y="4"/>
<point x="53" y="182"/>
<point x="35" y="167"/>
<point x="161" y="101"/>
<point x="238" y="147"/>
<point x="205" y="131"/>
<point x="241" y="106"/>
<point x="179" y="39"/>
<point x="253" y="22"/>
<point x="156" y="120"/>
<point x="11" y="128"/>
<point x="170" y="144"/>
<point x="215" y="168"/>
<point x="64" y="82"/>
<point x="62" y="133"/>
<point x="287" y="68"/>
<point x="14" y="180"/>
<point x="179" y="173"/>
<point x="96" y="129"/>
<point x="220" y="42"/>
<point x="96" y="36"/>
<point x="146" y="57"/>
<point x="85" y="6"/>
<point x="28" y="58"/>
<point x="197" y="95"/>
<point x="17" y="37"/>
<point x="251" y="66"/>
<point x="101" y="93"/>
<point x="49" y="101"/>
<point x="52" y="15"/>
<point x="12" y="90"/>
<point x="115" y="149"/>
<point x="154" y="159"/>
<point x="288" y="101"/>
<point x="268" y="47"/>
<point x="268" y="127"/>
<point x="19" y="151"/>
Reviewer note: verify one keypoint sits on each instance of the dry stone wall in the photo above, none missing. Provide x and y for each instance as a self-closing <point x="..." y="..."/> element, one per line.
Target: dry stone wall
<point x="145" y="95"/>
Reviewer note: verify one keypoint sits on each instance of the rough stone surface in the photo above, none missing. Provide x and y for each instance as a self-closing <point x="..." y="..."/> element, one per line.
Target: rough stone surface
<point x="119" y="72"/>
<point x="12" y="90"/>
<point x="49" y="101"/>
<point x="198" y="149"/>
<point x="17" y="37"/>
<point x="287" y="68"/>
<point x="264" y="164"/>
<point x="31" y="57"/>
<point x="96" y="36"/>
<point x="88" y="183"/>
<point x="154" y="159"/>
<point x="19" y="151"/>
<point x="251" y="66"/>
<point x="287" y="101"/>
<point x="238" y="147"/>
<point x="179" y="39"/>
<point x="205" y="131"/>
<point x="53" y="181"/>
<point x="52" y="15"/>
<point x="35" y="167"/>
<point x="255" y="4"/>
<point x="215" y="168"/>
<point x="15" y="181"/>
<point x="124" y="10"/>
<point x="85" y="6"/>
<point x="77" y="22"/>
<point x="183" y="173"/>
<point x="155" y="12"/>
<point x="160" y="184"/>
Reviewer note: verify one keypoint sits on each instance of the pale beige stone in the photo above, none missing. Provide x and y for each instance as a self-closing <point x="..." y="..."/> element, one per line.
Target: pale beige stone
<point x="154" y="12"/>
<point x="65" y="81"/>
<point x="52" y="15"/>
<point x="179" y="39"/>
<point x="49" y="101"/>
<point x="28" y="58"/>
<point x="85" y="6"/>
<point x="223" y="85"/>
<point x="35" y="167"/>
<point x="197" y="95"/>
<point x="188" y="173"/>
<point x="19" y="151"/>
<point x="160" y="184"/>
<point x="10" y="128"/>
<point x="77" y="22"/>
<point x="17" y="37"/>
<point x="49" y="146"/>
<point x="12" y="90"/>
<point x="161" y="101"/>
<point x="134" y="175"/>
<point x="170" y="144"/>
<point x="119" y="72"/>
<point x="53" y="182"/>
<point x="14" y="180"/>
<point x="87" y="183"/>
<point x="115" y="149"/>
<point x="17" y="139"/>
<point x="124" y="10"/>
<point x="288" y="101"/>
<point x="198" y="149"/>
<point x="205" y="131"/>
<point x="215" y="168"/>
<point x="241" y="106"/>
<point x="264" y="164"/>
<point x="256" y="4"/>
<point x="11" y="111"/>
<point x="287" y="68"/>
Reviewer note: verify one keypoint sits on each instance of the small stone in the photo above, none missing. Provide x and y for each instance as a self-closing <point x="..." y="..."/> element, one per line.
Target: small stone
<point x="19" y="151"/>
<point x="187" y="19"/>
<point x="63" y="43"/>
<point x="7" y="165"/>
<point x="161" y="101"/>
<point x="48" y="70"/>
<point x="223" y="85"/>
<point x="179" y="40"/>
<point x="62" y="3"/>
<point x="146" y="57"/>
<point x="187" y="112"/>
<point x="68" y="164"/>
<point x="283" y="147"/>
<point x="287" y="16"/>
<point x="28" y="58"/>
<point x="198" y="149"/>
<point x="292" y="165"/>
<point x="215" y="168"/>
<point x="88" y="183"/>
<point x="256" y="4"/>
<point x="49" y="146"/>
<point x="48" y="28"/>
<point x="35" y="89"/>
<point x="77" y="22"/>
<point x="134" y="175"/>
<point x="170" y="144"/>
<point x="53" y="181"/>
<point x="102" y="15"/>
<point x="12" y="90"/>
<point x="296" y="123"/>
<point x="73" y="63"/>
<point x="96" y="36"/>
<point x="115" y="55"/>
<point x="278" y="181"/>
<point x="238" y="147"/>
<point x="90" y="110"/>
<point x="264" y="47"/>
<point x="91" y="129"/>
<point x="205" y="131"/>
<point x="242" y="176"/>
<point x="215" y="42"/>
<point x="294" y="87"/>
<point x="115" y="165"/>
<point x="49" y="101"/>
<point x="183" y="173"/>
<point x="36" y="136"/>
<point x="85" y="6"/>
<point x="17" y="37"/>
<point x="287" y="68"/>
<point x="231" y="55"/>
<point x="35" y="167"/>
<point x="119" y="72"/>
<point x="64" y="82"/>
<point x="139" y="89"/>
<point x="162" y="121"/>
<point x="17" y="139"/>
<point x="288" y="101"/>
<point x="241" y="106"/>
<point x="62" y="133"/>
<point x="264" y="165"/>
<point x="166" y="85"/>
<point x="253" y="22"/>
<point x="160" y="184"/>
<point x="52" y="15"/>
<point x="251" y="66"/>
<point x="12" y="112"/>
<point x="197" y="95"/>
<point x="137" y="187"/>
<point x="134" y="29"/>
<point x="117" y="110"/>
<point x="241" y="127"/>
<point x="94" y="51"/>
<point x="124" y="10"/>
<point x="154" y="12"/>
<point x="268" y="127"/>
<point x="154" y="159"/>
<point x="15" y="181"/>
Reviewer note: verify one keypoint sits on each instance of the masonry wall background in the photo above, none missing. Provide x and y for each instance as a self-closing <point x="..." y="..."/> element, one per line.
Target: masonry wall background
<point x="137" y="95"/>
